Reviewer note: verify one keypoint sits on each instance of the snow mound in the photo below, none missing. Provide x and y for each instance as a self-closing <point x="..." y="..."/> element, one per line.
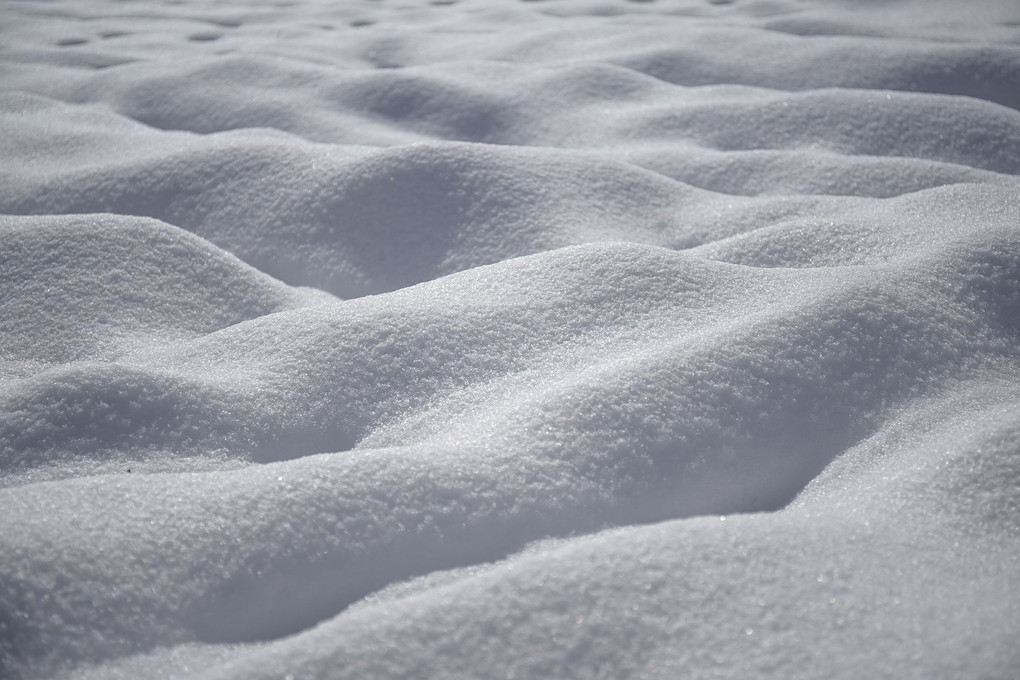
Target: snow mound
<point x="115" y="282"/>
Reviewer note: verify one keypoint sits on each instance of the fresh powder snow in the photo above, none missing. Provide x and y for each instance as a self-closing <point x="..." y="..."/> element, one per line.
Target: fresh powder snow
<point x="391" y="339"/>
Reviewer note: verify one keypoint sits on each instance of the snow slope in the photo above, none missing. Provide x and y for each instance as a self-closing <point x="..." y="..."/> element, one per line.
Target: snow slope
<point x="481" y="338"/>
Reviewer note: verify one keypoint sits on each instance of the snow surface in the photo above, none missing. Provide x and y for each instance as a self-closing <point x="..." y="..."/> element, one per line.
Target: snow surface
<point x="499" y="339"/>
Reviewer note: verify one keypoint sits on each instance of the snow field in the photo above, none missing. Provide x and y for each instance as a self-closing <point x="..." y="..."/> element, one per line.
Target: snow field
<point x="578" y="338"/>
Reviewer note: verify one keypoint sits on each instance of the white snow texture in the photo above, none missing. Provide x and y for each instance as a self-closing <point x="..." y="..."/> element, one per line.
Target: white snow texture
<point x="505" y="339"/>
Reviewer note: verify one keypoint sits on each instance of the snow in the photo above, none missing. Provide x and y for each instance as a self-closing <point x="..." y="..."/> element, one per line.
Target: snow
<point x="479" y="338"/>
